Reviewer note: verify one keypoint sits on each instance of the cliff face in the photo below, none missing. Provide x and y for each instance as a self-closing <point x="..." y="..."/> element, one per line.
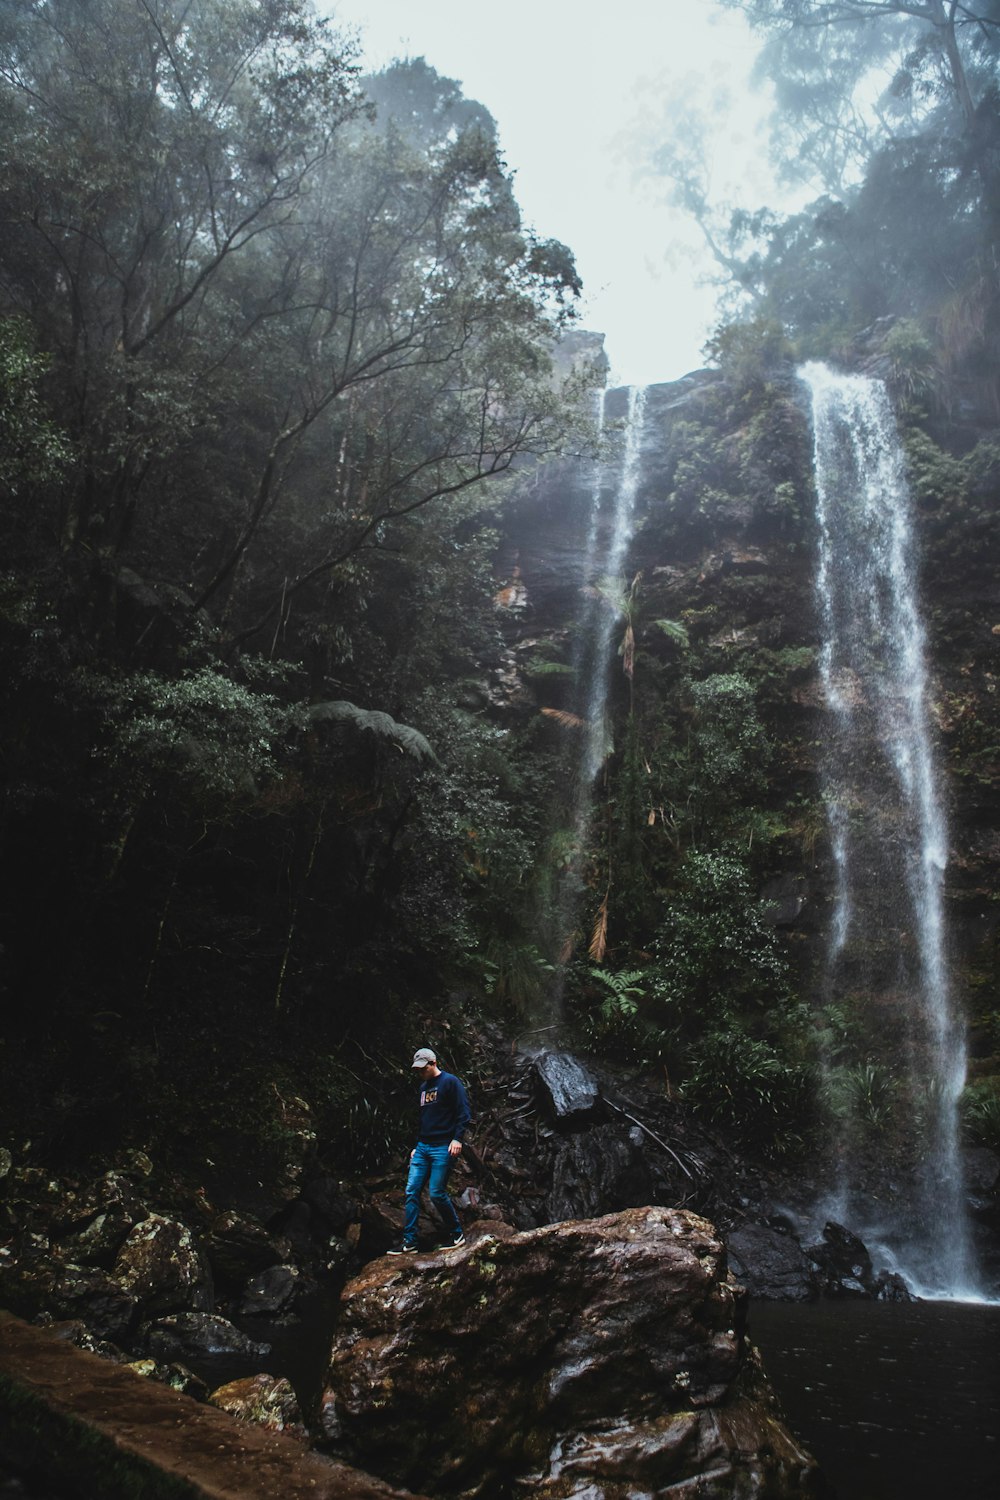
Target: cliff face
<point x="721" y="584"/>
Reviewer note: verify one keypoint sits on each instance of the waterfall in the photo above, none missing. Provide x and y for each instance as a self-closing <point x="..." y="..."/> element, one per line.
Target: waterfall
<point x="895" y="1054"/>
<point x="605" y="560"/>
<point x="610" y="524"/>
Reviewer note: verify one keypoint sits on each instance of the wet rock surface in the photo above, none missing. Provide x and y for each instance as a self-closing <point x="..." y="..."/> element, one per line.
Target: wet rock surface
<point x="569" y="1092"/>
<point x="160" y="1265"/>
<point x="115" y="1252"/>
<point x="603" y="1358"/>
<point x="110" y="1434"/>
<point x="196" y="1335"/>
<point x="262" y="1400"/>
<point x="772" y="1265"/>
<point x="845" y="1268"/>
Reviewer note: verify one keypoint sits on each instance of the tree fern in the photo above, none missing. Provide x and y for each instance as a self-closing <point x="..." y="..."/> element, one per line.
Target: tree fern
<point x="373" y="721"/>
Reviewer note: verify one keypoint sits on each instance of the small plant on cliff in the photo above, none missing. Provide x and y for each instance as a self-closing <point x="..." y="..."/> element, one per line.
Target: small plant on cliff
<point x="748" y="353"/>
<point x="615" y="1015"/>
<point x="981" y="1113"/>
<point x="864" y="1093"/>
<point x="913" y="372"/>
<point x="742" y="1081"/>
<point x="623" y="991"/>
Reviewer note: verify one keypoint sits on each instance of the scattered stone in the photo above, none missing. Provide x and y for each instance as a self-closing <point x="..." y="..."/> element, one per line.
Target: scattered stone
<point x="264" y="1400"/>
<point x="273" y="1291"/>
<point x="177" y="1376"/>
<point x="195" y="1335"/>
<point x="160" y="1265"/>
<point x="68" y="1291"/>
<point x="843" y="1263"/>
<point x="331" y="1203"/>
<point x="238" y="1247"/>
<point x="100" y="1241"/>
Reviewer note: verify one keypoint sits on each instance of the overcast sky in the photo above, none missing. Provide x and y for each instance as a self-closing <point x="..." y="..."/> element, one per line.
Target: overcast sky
<point x="572" y="86"/>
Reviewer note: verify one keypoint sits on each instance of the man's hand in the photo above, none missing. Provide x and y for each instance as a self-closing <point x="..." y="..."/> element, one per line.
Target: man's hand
<point x="455" y="1149"/>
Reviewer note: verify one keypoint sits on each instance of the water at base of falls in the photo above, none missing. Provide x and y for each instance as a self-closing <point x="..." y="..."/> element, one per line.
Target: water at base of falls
<point x="892" y="1400"/>
<point x="895" y="1054"/>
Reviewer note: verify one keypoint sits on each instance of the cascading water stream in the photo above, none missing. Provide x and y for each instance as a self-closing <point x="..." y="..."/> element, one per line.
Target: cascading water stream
<point x="901" y="1053"/>
<point x="610" y="527"/>
<point x="606" y="562"/>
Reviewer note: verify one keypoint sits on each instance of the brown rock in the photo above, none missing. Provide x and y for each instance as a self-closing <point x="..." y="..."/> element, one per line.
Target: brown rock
<point x="267" y="1401"/>
<point x="160" y="1265"/>
<point x="600" y="1358"/>
<point x="238" y="1247"/>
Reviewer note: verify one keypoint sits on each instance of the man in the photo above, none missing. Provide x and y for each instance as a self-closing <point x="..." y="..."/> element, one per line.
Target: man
<point x="444" y="1116"/>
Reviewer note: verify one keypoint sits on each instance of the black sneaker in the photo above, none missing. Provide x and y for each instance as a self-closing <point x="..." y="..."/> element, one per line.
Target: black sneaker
<point x="403" y="1249"/>
<point x="454" y="1244"/>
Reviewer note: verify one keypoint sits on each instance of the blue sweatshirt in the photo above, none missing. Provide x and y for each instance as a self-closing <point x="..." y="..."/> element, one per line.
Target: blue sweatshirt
<point x="444" y="1110"/>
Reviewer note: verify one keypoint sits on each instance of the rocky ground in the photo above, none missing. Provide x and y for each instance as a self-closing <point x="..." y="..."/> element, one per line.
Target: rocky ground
<point x="189" y="1289"/>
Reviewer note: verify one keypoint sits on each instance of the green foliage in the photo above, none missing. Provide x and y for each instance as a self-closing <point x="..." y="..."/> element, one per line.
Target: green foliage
<point x="980" y="1107"/>
<point x="863" y="1092"/>
<point x="277" y="326"/>
<point x="728" y="748"/>
<point x="537" y="667"/>
<point x="517" y="974"/>
<point x="741" y="1081"/>
<point x="202" y="727"/>
<point x="624" y="991"/>
<point x="914" y="375"/>
<point x="716" y="955"/>
<point x="381" y="726"/>
<point x="33" y="451"/>
<point x="748" y="354"/>
<point x="467" y="866"/>
<point x="614" y="1016"/>
<point x="674" y="630"/>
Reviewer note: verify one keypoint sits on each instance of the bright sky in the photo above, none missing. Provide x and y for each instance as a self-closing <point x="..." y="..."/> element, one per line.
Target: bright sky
<point x="572" y="84"/>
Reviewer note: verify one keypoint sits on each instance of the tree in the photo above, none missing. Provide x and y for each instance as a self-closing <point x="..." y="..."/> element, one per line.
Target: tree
<point x="149" y="146"/>
<point x="931" y="57"/>
<point x="269" y="314"/>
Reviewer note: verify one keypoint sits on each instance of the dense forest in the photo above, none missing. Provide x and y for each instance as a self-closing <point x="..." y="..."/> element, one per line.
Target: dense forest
<point x="281" y="365"/>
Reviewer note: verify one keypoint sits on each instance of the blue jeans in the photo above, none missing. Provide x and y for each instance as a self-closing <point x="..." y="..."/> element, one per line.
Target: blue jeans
<point x="429" y="1165"/>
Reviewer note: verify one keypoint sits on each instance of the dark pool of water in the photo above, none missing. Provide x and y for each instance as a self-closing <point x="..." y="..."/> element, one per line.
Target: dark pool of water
<point x="896" y="1402"/>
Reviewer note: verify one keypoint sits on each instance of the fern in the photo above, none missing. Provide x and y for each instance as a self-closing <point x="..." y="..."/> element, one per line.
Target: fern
<point x="625" y="991"/>
<point x="538" y="668"/>
<point x="373" y="721"/>
<point x="675" y="630"/>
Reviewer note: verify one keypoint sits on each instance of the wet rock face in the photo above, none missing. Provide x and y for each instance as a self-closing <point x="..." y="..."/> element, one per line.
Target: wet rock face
<point x="569" y="1093"/>
<point x="238" y="1247"/>
<point x="844" y="1268"/>
<point x="772" y="1265"/>
<point x="601" y="1359"/>
<point x="597" y="1172"/>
